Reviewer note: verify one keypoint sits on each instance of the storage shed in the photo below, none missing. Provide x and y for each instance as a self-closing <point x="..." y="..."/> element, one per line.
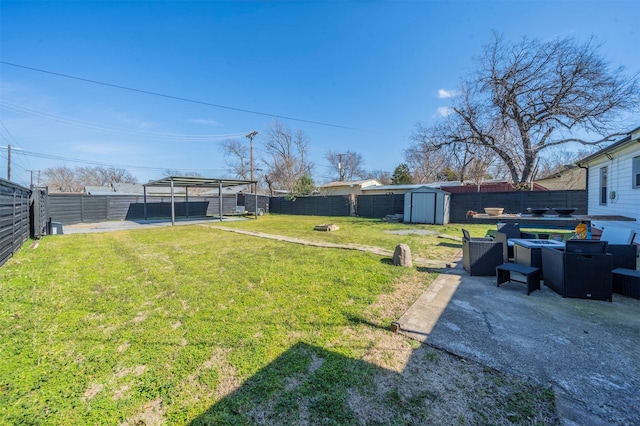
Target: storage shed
<point x="426" y="205"/>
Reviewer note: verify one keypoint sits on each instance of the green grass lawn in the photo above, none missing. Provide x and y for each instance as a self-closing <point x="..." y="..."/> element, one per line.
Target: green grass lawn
<point x="367" y="231"/>
<point x="189" y="324"/>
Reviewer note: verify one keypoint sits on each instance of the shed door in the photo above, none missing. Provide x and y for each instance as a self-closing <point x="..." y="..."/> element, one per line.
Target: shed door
<point x="423" y="207"/>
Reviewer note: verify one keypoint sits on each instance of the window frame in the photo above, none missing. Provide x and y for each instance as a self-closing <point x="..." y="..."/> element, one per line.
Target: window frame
<point x="635" y="172"/>
<point x="604" y="171"/>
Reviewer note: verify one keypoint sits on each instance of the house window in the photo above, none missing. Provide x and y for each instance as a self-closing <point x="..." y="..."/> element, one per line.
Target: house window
<point x="603" y="186"/>
<point x="635" y="174"/>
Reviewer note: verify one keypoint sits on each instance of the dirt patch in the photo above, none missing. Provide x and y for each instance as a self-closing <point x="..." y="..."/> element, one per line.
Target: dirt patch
<point x="138" y="370"/>
<point x="92" y="391"/>
<point x="440" y="388"/>
<point x="139" y="318"/>
<point x="123" y="347"/>
<point x="215" y="378"/>
<point x="152" y="414"/>
<point x="121" y="392"/>
<point x="405" y="291"/>
<point x="436" y="387"/>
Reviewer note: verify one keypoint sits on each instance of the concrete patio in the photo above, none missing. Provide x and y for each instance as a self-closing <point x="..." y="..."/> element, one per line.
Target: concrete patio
<point x="587" y="351"/>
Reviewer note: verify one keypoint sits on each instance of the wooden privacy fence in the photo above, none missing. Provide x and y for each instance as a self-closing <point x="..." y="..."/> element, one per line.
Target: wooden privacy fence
<point x="378" y="206"/>
<point x="76" y="208"/>
<point x="14" y="218"/>
<point x="339" y="205"/>
<point x="514" y="202"/>
<point x="330" y="205"/>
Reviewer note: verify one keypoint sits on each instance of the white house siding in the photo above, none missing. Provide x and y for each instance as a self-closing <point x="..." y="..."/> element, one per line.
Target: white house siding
<point x="619" y="177"/>
<point x="341" y="190"/>
<point x="347" y="188"/>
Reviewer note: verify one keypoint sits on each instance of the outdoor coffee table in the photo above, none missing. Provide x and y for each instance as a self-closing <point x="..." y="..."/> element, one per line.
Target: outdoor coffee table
<point x="529" y="253"/>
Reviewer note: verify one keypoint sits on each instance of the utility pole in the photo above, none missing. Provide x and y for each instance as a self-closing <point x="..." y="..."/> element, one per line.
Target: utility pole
<point x="251" y="135"/>
<point x="340" y="176"/>
<point x="31" y="171"/>
<point x="9" y="159"/>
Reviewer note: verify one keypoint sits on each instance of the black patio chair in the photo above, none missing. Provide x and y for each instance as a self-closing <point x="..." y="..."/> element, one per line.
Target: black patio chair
<point x="512" y="230"/>
<point x="507" y="252"/>
<point x="480" y="256"/>
<point x="625" y="276"/>
<point x="586" y="246"/>
<point x="623" y="255"/>
<point x="578" y="271"/>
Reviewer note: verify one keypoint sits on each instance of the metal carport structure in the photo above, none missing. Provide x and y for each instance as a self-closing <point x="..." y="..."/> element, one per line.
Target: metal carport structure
<point x="194" y="182"/>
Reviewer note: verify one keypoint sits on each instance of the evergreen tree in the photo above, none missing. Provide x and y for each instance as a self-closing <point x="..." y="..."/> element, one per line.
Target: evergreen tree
<point x="401" y="175"/>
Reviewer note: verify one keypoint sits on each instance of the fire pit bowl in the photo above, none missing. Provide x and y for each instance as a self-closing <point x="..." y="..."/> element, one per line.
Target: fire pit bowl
<point x="493" y="211"/>
<point x="564" y="211"/>
<point x="537" y="211"/>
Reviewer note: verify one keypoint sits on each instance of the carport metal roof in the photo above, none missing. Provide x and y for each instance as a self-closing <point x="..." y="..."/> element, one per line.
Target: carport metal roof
<point x="194" y="182"/>
<point x="197" y="182"/>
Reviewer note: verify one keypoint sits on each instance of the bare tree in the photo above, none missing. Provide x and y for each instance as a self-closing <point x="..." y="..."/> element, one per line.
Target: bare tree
<point x="236" y="154"/>
<point x="346" y="165"/>
<point x="191" y="190"/>
<point x="431" y="163"/>
<point x="65" y="179"/>
<point x="382" y="176"/>
<point x="103" y="176"/>
<point x="478" y="168"/>
<point x="425" y="162"/>
<point x="62" y="179"/>
<point x="559" y="160"/>
<point x="527" y="97"/>
<point x="285" y="157"/>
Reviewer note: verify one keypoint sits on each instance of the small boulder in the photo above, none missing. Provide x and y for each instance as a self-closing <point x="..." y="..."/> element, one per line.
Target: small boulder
<point x="326" y="227"/>
<point x="402" y="256"/>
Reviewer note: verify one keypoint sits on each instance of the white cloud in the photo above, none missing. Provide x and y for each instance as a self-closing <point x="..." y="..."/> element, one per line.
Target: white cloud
<point x="204" y="122"/>
<point x="445" y="111"/>
<point x="445" y="94"/>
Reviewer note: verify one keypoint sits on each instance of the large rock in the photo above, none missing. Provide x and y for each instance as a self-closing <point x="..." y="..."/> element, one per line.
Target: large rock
<point x="402" y="256"/>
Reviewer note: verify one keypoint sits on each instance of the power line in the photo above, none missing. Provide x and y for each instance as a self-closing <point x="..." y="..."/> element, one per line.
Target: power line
<point x="178" y="98"/>
<point x="95" y="126"/>
<point x="99" y="163"/>
<point x="14" y="140"/>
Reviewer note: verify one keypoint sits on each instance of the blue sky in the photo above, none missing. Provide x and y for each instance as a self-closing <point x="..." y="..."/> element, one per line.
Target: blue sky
<point x="370" y="70"/>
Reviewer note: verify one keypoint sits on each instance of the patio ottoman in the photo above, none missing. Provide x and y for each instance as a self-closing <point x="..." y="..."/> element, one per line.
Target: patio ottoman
<point x="626" y="282"/>
<point x="532" y="275"/>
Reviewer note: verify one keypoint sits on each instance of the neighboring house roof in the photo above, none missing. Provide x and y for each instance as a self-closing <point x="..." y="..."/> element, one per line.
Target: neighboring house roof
<point x="280" y="192"/>
<point x="360" y="183"/>
<point x="409" y="187"/>
<point x="572" y="177"/>
<point x="138" y="189"/>
<point x="489" y="187"/>
<point x="632" y="137"/>
<point x="228" y="190"/>
<point x="98" y="190"/>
